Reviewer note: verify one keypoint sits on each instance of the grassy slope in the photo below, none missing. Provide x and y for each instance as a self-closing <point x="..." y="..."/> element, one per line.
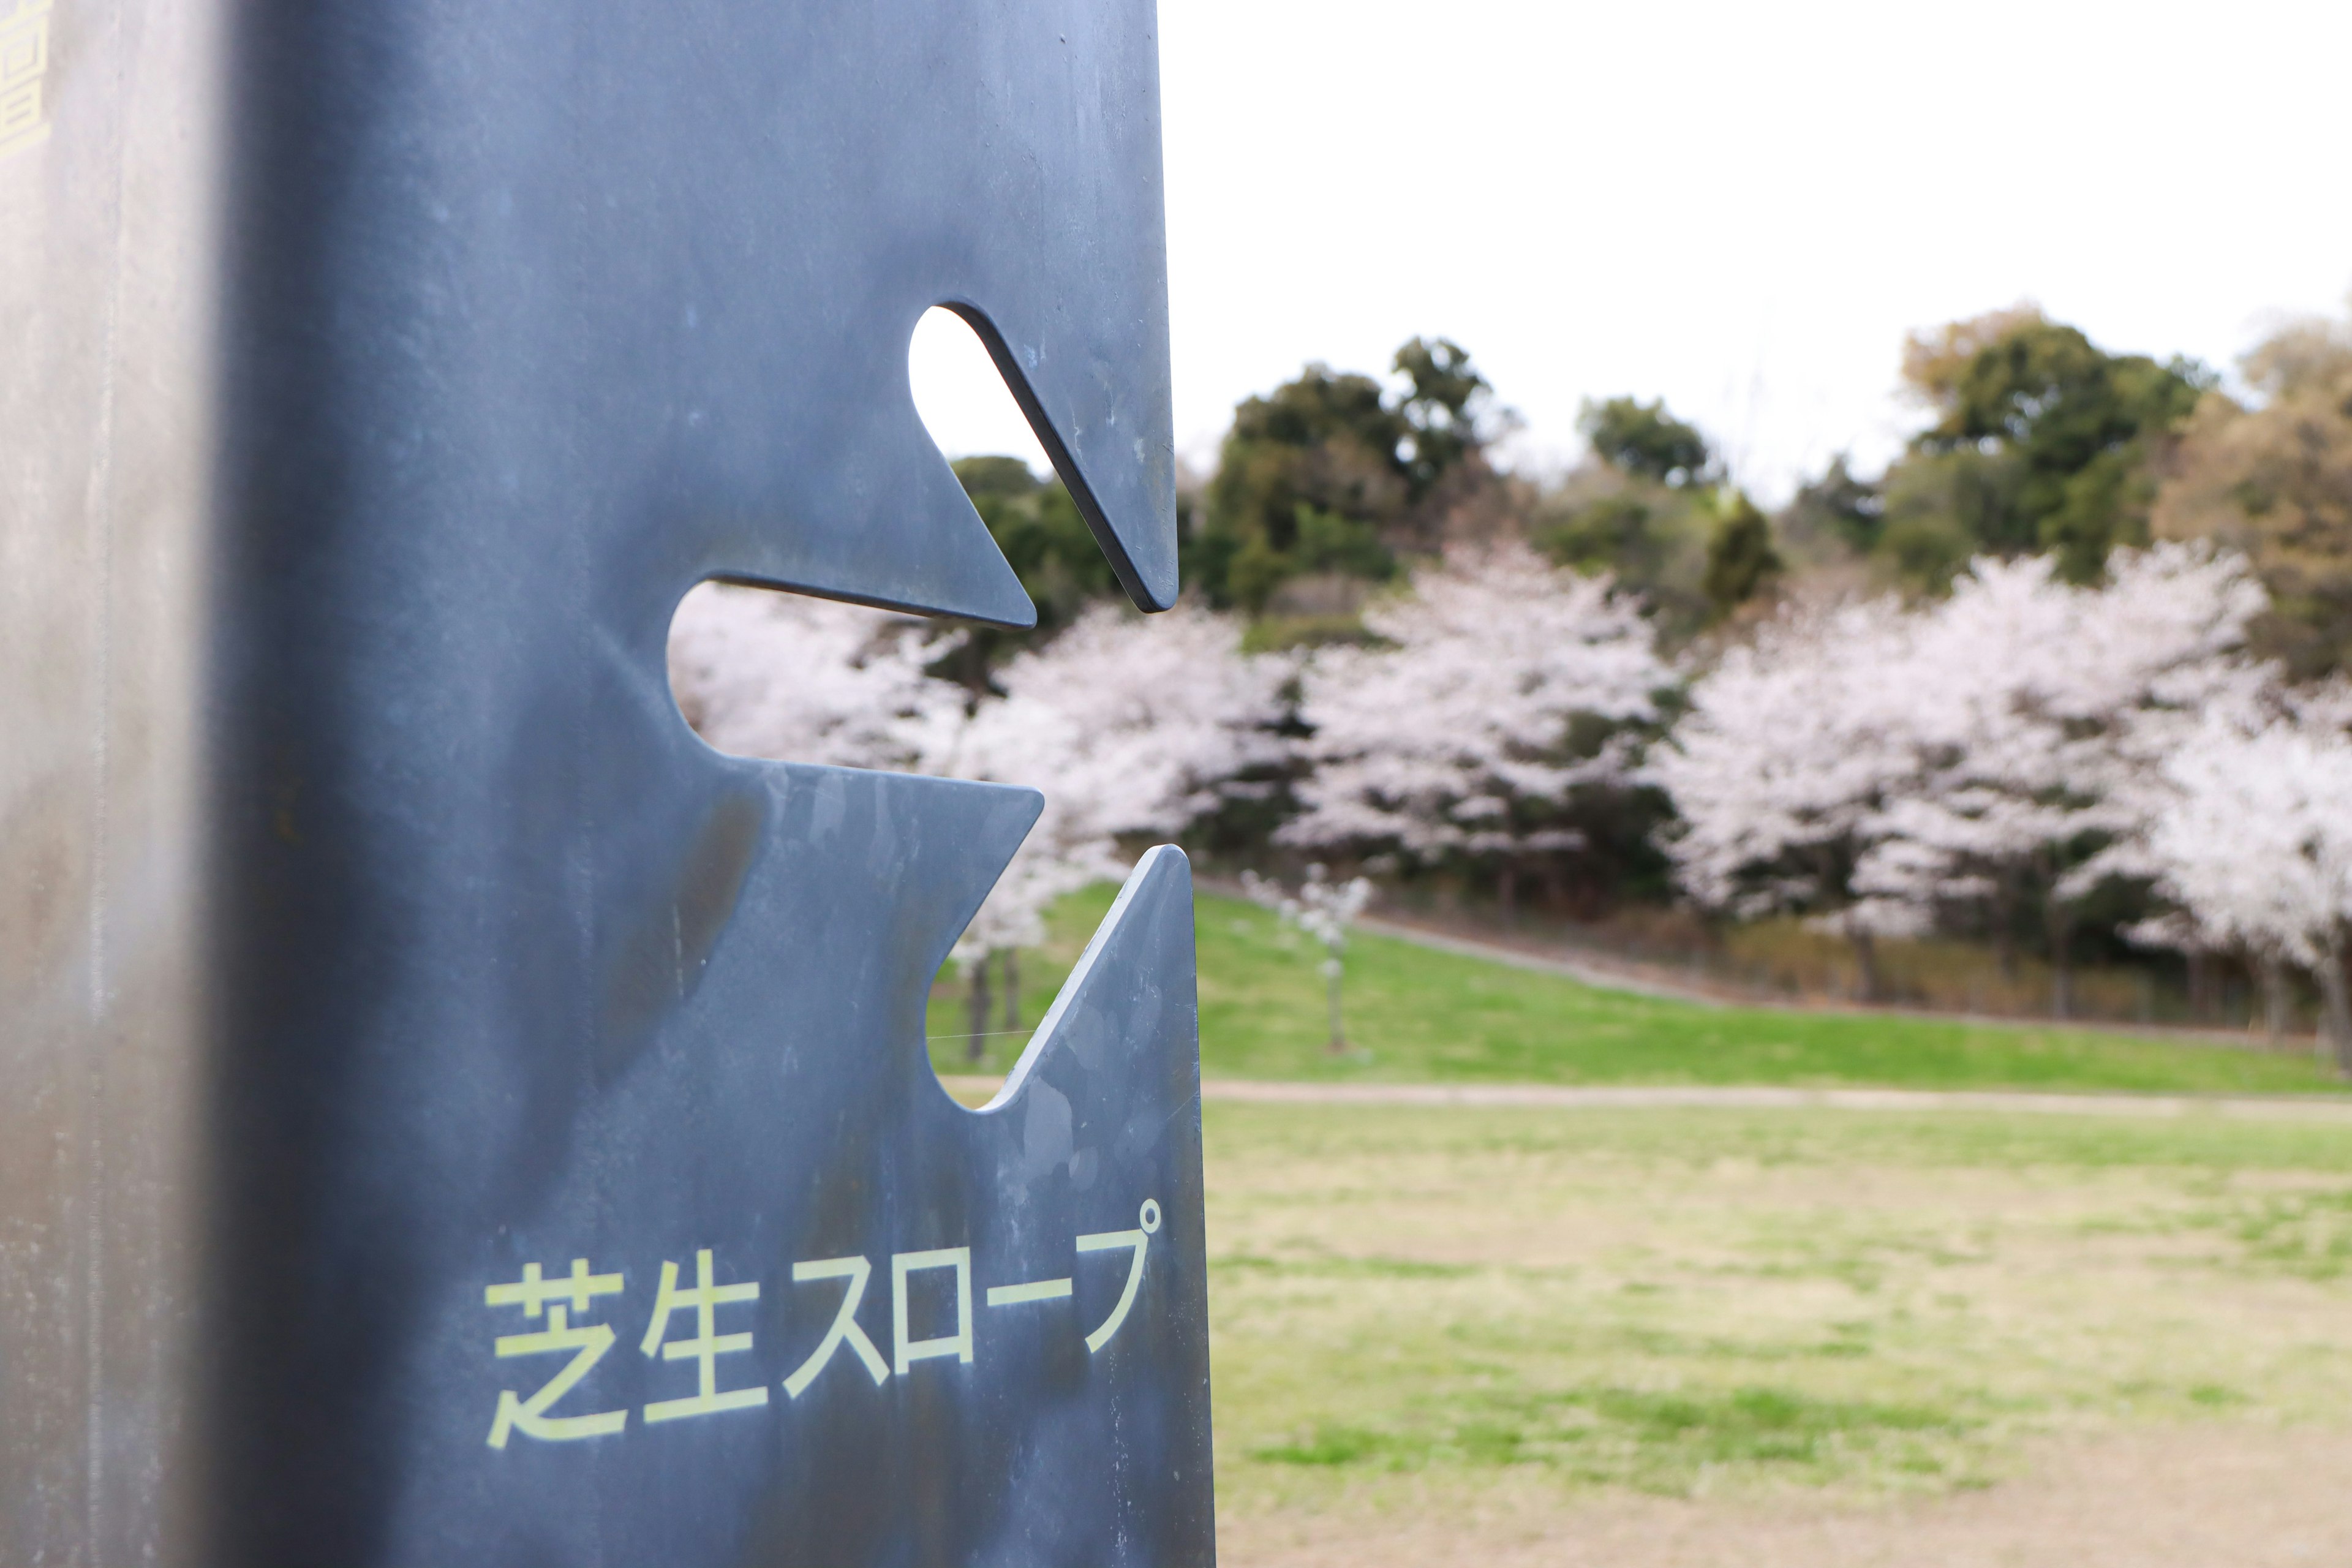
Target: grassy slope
<point x="1693" y="1302"/>
<point x="1419" y="1014"/>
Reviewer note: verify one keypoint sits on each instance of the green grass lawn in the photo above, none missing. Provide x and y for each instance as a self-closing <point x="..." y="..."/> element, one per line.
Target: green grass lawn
<point x="1680" y="1301"/>
<point x="1417" y="1014"/>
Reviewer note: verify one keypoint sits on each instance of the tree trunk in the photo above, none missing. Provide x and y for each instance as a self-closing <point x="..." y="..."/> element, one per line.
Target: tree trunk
<point x="975" y="1045"/>
<point x="2005" y="925"/>
<point x="1555" y="885"/>
<point x="2062" y="973"/>
<point x="2336" y="1012"/>
<point x="1506" y="891"/>
<point x="1334" y="973"/>
<point x="2278" y="1002"/>
<point x="1011" y="987"/>
<point x="1866" y="964"/>
<point x="2196" y="984"/>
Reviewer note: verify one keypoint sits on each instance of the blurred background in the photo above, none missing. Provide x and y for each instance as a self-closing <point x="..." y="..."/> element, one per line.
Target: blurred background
<point x="1764" y="713"/>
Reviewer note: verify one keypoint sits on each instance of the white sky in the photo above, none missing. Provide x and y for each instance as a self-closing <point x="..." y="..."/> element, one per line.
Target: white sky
<point x="1741" y="208"/>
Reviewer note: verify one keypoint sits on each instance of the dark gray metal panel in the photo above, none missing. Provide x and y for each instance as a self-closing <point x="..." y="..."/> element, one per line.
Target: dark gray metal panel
<point x="528" y="318"/>
<point x="647" y="275"/>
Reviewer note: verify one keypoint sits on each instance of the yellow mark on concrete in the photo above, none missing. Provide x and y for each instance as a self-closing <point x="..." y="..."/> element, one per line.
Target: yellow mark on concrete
<point x="24" y="74"/>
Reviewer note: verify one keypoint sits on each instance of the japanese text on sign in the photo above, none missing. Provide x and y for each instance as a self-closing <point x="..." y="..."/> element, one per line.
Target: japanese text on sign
<point x="684" y="1326"/>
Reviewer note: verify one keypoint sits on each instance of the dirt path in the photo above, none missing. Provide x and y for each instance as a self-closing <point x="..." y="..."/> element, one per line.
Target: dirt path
<point x="972" y="1090"/>
<point x="1600" y="976"/>
<point x="2193" y="1498"/>
<point x="1747" y="1096"/>
<point x="1606" y="973"/>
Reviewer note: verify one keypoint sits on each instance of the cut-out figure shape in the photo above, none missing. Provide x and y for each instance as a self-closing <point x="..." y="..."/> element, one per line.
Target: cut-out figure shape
<point x="1110" y="1240"/>
<point x="844" y="1329"/>
<point x="908" y="1351"/>
<point x="588" y="1342"/>
<point x="707" y="1346"/>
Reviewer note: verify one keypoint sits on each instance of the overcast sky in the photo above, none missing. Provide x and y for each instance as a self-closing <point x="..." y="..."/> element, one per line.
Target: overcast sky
<point x="1739" y="207"/>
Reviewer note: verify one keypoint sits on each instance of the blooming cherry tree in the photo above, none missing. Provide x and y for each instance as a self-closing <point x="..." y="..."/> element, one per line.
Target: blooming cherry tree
<point x="1324" y="909"/>
<point x="1127" y="727"/>
<point x="1882" y="767"/>
<point x="763" y="674"/>
<point x="1458" y="739"/>
<point x="2256" y="845"/>
<point x="1790" y="748"/>
<point x="2038" y="712"/>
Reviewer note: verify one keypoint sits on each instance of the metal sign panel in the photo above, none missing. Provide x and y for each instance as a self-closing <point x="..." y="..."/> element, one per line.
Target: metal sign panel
<point x="484" y="1125"/>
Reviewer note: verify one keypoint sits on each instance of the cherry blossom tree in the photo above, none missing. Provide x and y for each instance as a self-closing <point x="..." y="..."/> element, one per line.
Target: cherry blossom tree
<point x="2039" y="711"/>
<point x="1128" y="726"/>
<point x="1463" y="738"/>
<point x="763" y="674"/>
<point x="1882" y="768"/>
<point x="2256" y="843"/>
<point x="1790" y="749"/>
<point x="1325" y="909"/>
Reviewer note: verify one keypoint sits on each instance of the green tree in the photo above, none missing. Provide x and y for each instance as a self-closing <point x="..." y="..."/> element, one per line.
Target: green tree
<point x="2040" y="440"/>
<point x="1307" y="477"/>
<point x="1739" y="555"/>
<point x="1615" y="532"/>
<point x="1333" y="473"/>
<point x="1941" y="508"/>
<point x="1653" y="538"/>
<point x="1445" y="411"/>
<point x="2275" y="481"/>
<point x="1634" y="512"/>
<point x="1837" y="508"/>
<point x="1644" y="440"/>
<point x="1050" y="548"/>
